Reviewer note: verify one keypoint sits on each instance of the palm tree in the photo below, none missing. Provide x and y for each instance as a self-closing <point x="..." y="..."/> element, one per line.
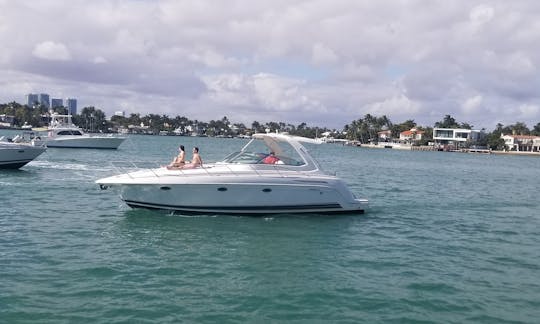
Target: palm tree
<point x="520" y="128"/>
<point x="536" y="130"/>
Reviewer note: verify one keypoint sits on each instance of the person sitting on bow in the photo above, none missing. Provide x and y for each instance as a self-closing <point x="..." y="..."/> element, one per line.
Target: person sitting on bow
<point x="179" y="161"/>
<point x="196" y="161"/>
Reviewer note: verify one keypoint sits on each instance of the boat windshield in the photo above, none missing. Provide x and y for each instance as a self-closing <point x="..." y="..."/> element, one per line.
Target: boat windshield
<point x="69" y="132"/>
<point x="257" y="152"/>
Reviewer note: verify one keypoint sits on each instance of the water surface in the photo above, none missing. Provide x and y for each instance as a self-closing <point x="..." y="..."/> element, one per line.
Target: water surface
<point x="448" y="237"/>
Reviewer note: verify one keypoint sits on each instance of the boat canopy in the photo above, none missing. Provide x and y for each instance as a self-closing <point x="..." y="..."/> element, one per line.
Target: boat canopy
<point x="58" y="121"/>
<point x="287" y="150"/>
<point x="280" y="137"/>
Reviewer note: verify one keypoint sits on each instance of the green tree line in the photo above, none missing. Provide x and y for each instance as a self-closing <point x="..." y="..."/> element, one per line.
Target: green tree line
<point x="363" y="130"/>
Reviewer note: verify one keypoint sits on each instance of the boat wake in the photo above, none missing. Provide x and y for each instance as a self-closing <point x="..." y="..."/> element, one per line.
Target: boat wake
<point x="66" y="166"/>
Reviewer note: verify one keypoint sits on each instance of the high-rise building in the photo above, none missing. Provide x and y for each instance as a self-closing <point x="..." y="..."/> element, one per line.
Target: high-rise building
<point x="55" y="102"/>
<point x="44" y="100"/>
<point x="32" y="99"/>
<point x="71" y="105"/>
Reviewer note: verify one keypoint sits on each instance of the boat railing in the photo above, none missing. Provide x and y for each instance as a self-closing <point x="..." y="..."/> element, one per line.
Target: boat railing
<point x="133" y="166"/>
<point x="213" y="169"/>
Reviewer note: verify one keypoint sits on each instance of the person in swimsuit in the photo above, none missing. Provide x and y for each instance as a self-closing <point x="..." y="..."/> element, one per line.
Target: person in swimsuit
<point x="196" y="161"/>
<point x="179" y="161"/>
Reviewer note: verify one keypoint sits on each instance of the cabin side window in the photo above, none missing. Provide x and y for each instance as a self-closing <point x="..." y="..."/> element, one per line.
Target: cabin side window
<point x="69" y="132"/>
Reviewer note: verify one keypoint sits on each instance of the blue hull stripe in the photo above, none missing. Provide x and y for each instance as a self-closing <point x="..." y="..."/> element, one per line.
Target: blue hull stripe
<point x="84" y="147"/>
<point x="15" y="164"/>
<point x="332" y="208"/>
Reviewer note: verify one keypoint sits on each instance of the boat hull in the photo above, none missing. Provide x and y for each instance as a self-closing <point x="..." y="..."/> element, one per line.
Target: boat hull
<point x="17" y="156"/>
<point x="243" y="196"/>
<point x="85" y="142"/>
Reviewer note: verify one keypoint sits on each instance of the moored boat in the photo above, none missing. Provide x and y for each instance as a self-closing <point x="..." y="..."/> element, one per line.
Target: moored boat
<point x="62" y="133"/>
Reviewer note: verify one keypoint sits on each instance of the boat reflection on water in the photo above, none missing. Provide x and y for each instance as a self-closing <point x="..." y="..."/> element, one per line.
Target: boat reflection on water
<point x="272" y="174"/>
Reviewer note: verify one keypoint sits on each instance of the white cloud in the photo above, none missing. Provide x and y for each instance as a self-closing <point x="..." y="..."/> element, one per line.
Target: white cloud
<point x="520" y="63"/>
<point x="352" y="71"/>
<point x="211" y="58"/>
<point x="324" y="61"/>
<point x="481" y="14"/>
<point x="397" y="105"/>
<point x="99" y="60"/>
<point x="261" y="92"/>
<point x="529" y="110"/>
<point x="472" y="104"/>
<point x="49" y="50"/>
<point x="516" y="63"/>
<point x="322" y="54"/>
<point x="131" y="43"/>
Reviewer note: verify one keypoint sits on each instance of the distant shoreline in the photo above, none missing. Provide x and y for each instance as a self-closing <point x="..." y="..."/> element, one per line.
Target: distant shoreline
<point x="433" y="149"/>
<point x="516" y="153"/>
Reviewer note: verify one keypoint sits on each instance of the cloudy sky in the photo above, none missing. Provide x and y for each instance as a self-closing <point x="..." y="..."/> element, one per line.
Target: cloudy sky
<point x="323" y="62"/>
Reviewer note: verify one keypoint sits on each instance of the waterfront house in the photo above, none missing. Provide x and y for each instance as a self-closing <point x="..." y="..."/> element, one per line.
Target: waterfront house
<point x="6" y="121"/>
<point x="522" y="143"/>
<point x="142" y="129"/>
<point x="385" y="135"/>
<point x="411" y="135"/>
<point x="195" y="130"/>
<point x="455" y="137"/>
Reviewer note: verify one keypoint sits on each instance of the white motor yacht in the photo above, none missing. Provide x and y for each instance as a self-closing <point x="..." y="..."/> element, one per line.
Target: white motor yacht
<point x="243" y="183"/>
<point x="16" y="155"/>
<point x="63" y="133"/>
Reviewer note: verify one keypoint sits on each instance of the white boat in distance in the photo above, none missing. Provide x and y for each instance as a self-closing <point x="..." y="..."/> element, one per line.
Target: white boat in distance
<point x="16" y="155"/>
<point x="243" y="183"/>
<point x="63" y="133"/>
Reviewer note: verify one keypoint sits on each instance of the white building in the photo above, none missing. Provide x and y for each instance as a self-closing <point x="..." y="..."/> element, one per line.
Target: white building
<point x="523" y="143"/>
<point x="385" y="135"/>
<point x="6" y="121"/>
<point x="455" y="136"/>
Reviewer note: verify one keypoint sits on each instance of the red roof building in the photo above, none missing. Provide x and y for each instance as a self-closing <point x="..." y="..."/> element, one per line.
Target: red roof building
<point x="411" y="135"/>
<point x="524" y="143"/>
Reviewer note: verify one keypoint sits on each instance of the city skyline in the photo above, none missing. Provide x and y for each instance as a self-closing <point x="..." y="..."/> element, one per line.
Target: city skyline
<point x="44" y="99"/>
<point x="324" y="63"/>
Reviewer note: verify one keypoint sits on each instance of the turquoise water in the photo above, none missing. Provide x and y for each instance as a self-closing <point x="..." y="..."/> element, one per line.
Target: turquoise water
<point x="448" y="237"/>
